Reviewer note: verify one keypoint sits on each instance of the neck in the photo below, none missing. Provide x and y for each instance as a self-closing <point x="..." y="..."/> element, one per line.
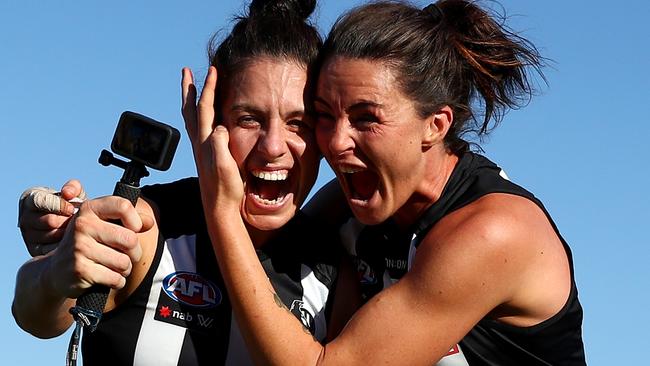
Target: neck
<point x="260" y="237"/>
<point x="437" y="171"/>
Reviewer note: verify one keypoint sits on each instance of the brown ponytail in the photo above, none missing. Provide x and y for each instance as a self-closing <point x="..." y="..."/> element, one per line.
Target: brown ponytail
<point x="450" y="53"/>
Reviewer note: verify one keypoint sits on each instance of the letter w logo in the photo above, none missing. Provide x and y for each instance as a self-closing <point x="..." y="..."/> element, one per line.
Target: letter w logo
<point x="205" y="322"/>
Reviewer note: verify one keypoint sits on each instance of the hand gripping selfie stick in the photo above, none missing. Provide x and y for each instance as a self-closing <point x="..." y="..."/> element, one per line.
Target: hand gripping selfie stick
<point x="145" y="142"/>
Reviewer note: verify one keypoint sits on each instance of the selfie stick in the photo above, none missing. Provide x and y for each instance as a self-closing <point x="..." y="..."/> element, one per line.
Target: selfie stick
<point x="90" y="306"/>
<point x="145" y="142"/>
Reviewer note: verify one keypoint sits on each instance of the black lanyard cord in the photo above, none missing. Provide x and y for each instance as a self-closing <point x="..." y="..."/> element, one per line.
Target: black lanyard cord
<point x="84" y="318"/>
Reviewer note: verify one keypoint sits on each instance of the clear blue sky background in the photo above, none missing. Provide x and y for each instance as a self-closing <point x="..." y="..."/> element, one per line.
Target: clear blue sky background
<point x="69" y="68"/>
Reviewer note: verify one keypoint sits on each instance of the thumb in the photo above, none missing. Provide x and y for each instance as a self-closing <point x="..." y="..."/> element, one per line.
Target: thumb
<point x="221" y="137"/>
<point x="73" y="189"/>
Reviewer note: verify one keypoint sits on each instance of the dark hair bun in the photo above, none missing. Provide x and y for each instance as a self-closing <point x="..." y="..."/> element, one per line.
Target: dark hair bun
<point x="282" y="8"/>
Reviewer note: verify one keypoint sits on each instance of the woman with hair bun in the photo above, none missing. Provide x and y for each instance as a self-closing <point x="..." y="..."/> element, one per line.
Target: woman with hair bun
<point x="168" y="305"/>
<point x="459" y="265"/>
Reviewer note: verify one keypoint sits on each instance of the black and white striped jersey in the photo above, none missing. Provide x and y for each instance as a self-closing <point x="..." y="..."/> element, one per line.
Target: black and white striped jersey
<point x="181" y="315"/>
<point x="384" y="253"/>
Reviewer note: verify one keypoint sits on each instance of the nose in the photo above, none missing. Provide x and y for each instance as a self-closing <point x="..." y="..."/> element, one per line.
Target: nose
<point x="273" y="142"/>
<point x="340" y="139"/>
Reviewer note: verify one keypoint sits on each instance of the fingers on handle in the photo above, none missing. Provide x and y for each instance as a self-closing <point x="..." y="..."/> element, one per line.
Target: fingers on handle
<point x="96" y="273"/>
<point x="115" y="260"/>
<point x="114" y="208"/>
<point x="109" y="235"/>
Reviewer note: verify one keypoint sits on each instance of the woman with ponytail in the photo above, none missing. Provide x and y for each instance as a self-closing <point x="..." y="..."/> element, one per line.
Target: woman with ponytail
<point x="168" y="305"/>
<point x="459" y="266"/>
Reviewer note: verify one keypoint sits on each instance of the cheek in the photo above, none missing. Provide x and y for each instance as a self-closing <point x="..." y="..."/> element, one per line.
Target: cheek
<point x="240" y="146"/>
<point x="307" y="155"/>
<point x="304" y="149"/>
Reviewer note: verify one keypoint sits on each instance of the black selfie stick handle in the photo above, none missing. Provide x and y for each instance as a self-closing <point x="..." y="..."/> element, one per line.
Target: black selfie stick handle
<point x="89" y="307"/>
<point x="94" y="299"/>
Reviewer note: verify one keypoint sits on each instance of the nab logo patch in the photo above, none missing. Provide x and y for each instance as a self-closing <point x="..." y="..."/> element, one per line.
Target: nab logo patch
<point x="191" y="289"/>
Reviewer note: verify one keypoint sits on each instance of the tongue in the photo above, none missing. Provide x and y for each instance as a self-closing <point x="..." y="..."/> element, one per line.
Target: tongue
<point x="269" y="190"/>
<point x="364" y="184"/>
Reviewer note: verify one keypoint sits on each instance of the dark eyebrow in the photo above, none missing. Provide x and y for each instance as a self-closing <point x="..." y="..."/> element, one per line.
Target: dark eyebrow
<point x="247" y="108"/>
<point x="257" y="111"/>
<point x="295" y="113"/>
<point x="359" y="105"/>
<point x="364" y="104"/>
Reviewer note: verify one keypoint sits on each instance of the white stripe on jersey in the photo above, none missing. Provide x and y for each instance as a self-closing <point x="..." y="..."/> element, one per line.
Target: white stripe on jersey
<point x="160" y="343"/>
<point x="314" y="298"/>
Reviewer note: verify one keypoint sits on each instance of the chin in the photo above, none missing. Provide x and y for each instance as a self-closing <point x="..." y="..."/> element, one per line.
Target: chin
<point x="269" y="221"/>
<point x="369" y="217"/>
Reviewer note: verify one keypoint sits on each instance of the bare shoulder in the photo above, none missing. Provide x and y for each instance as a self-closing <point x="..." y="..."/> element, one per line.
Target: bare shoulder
<point x="504" y="243"/>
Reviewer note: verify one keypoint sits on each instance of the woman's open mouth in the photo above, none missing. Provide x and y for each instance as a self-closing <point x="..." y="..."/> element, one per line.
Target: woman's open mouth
<point x="269" y="188"/>
<point x="361" y="183"/>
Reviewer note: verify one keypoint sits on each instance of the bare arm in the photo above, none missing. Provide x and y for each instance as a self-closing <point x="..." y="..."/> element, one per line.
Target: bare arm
<point x="454" y="283"/>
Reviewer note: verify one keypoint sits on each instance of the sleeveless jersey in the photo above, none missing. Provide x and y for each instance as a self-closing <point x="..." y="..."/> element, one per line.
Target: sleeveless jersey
<point x="180" y="314"/>
<point x="383" y="255"/>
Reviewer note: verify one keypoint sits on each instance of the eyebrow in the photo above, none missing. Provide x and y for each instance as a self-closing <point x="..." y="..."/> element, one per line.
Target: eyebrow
<point x="361" y="104"/>
<point x="255" y="110"/>
<point x="246" y="107"/>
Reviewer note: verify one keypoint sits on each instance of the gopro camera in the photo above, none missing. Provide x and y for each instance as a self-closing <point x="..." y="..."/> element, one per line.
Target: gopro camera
<point x="145" y="140"/>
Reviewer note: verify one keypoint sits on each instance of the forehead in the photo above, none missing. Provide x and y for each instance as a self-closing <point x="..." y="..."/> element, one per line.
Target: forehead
<point x="268" y="78"/>
<point x="356" y="76"/>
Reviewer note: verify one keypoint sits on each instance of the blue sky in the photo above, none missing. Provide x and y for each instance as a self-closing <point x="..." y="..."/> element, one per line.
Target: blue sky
<point x="69" y="68"/>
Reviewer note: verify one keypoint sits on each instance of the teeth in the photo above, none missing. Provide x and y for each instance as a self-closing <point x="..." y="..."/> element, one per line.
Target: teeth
<point x="349" y="170"/>
<point x="269" y="202"/>
<point x="269" y="175"/>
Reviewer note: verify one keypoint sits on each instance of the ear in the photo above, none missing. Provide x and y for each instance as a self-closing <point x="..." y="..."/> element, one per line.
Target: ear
<point x="436" y="127"/>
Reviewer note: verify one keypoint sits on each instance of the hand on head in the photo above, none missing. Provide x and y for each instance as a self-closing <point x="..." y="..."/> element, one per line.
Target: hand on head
<point x="218" y="171"/>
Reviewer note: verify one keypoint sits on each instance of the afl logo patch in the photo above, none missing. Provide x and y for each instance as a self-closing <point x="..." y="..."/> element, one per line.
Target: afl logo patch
<point x="191" y="289"/>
